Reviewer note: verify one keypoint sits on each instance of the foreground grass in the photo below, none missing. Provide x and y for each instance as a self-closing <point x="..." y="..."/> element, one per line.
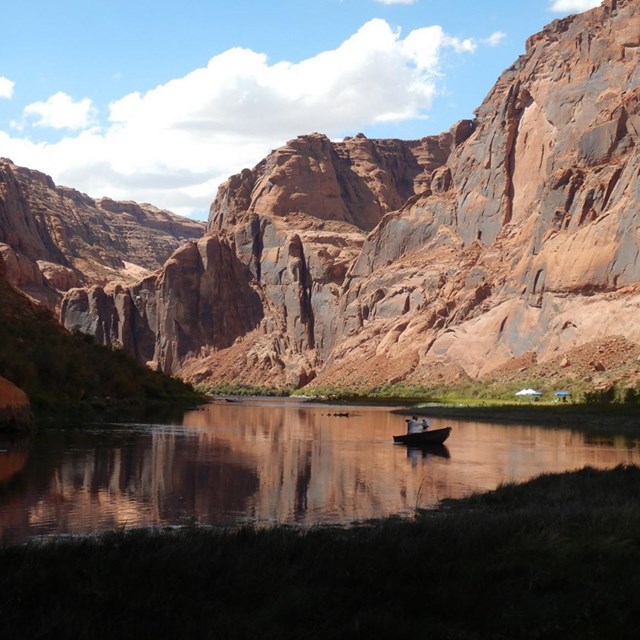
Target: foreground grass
<point x="558" y="557"/>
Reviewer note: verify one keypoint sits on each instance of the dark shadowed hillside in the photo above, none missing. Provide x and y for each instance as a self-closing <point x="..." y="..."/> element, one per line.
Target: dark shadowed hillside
<point x="57" y="369"/>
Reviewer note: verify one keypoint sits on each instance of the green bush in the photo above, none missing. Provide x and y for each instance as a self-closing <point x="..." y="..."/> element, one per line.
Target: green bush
<point x="237" y="389"/>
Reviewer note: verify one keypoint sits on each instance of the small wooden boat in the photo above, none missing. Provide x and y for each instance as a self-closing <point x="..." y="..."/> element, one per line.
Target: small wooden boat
<point x="428" y="437"/>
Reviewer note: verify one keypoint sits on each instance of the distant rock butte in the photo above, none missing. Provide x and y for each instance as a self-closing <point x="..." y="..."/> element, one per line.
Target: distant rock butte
<point x="377" y="261"/>
<point x="54" y="238"/>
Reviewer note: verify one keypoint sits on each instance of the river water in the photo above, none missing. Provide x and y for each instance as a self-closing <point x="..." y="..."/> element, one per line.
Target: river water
<point x="265" y="461"/>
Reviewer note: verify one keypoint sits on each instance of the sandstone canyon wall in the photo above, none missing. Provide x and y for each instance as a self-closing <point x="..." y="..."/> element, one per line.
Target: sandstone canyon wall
<point x="54" y="238"/>
<point x="532" y="247"/>
<point x="510" y="238"/>
<point x="257" y="298"/>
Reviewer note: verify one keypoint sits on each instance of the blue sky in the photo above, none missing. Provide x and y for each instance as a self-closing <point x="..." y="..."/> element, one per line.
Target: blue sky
<point x="159" y="101"/>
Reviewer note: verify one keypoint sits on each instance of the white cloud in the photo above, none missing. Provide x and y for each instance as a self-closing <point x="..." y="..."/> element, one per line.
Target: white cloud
<point x="396" y="1"/>
<point x="6" y="87"/>
<point x="495" y="38"/>
<point x="61" y="112"/>
<point x="573" y="6"/>
<point x="173" y="145"/>
<point x="468" y="45"/>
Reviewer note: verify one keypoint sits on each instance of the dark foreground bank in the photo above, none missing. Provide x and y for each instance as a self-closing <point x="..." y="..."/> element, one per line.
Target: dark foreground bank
<point x="557" y="557"/>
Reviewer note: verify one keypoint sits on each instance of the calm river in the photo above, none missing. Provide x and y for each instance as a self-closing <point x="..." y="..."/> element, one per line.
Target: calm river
<point x="268" y="461"/>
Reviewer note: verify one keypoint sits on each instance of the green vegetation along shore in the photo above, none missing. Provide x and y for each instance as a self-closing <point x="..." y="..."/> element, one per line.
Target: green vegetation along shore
<point x="63" y="373"/>
<point x="557" y="557"/>
<point x="611" y="410"/>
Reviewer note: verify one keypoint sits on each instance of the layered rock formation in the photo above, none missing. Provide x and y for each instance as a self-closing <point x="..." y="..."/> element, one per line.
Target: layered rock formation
<point x="15" y="408"/>
<point x="375" y="261"/>
<point x="54" y="238"/>
<point x="533" y="246"/>
<point x="283" y="235"/>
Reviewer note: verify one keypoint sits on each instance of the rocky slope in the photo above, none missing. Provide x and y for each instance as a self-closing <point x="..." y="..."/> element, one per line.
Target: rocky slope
<point x="54" y="238"/>
<point x="375" y="261"/>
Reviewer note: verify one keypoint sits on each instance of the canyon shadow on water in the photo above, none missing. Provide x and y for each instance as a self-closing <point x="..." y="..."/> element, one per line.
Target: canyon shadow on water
<point x="266" y="461"/>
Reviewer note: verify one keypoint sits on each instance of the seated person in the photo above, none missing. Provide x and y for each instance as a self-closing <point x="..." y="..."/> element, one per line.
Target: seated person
<point x="414" y="425"/>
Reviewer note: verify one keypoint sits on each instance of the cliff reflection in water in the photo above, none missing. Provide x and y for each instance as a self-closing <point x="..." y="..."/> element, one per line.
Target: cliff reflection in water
<point x="80" y="482"/>
<point x="267" y="461"/>
<point x="313" y="464"/>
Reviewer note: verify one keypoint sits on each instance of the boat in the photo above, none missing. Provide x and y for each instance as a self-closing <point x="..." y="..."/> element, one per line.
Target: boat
<point x="428" y="437"/>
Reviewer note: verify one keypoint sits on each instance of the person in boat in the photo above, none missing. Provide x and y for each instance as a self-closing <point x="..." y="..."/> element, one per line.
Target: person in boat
<point x="414" y="425"/>
<point x="417" y="426"/>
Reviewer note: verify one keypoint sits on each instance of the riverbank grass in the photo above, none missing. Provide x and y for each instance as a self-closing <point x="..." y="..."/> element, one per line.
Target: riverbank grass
<point x="556" y="557"/>
<point x="484" y="393"/>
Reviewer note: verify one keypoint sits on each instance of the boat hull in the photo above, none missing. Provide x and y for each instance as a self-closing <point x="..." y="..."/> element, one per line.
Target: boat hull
<point x="429" y="437"/>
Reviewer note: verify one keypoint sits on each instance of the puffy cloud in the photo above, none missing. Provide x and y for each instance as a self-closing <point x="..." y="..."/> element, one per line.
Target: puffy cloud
<point x="240" y="94"/>
<point x="174" y="144"/>
<point x="60" y="112"/>
<point x="396" y="1"/>
<point x="573" y="6"/>
<point x="495" y="38"/>
<point x="468" y="45"/>
<point x="6" y="87"/>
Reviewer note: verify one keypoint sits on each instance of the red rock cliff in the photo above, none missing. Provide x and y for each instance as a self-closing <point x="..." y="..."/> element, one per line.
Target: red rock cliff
<point x="372" y="261"/>
<point x="262" y="306"/>
<point x="532" y="245"/>
<point x="55" y="238"/>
